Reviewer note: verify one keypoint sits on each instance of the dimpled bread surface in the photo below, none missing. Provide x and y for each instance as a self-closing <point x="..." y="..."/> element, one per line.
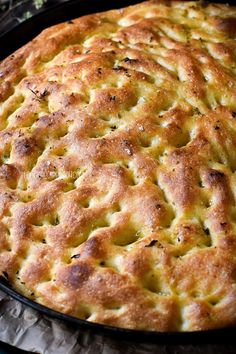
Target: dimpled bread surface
<point x="117" y="175"/>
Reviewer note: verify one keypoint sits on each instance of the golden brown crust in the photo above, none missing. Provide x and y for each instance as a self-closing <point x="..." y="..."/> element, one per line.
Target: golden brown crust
<point x="117" y="176"/>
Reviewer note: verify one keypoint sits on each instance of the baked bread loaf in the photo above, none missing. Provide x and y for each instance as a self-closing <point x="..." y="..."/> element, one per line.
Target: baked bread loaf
<point x="117" y="176"/>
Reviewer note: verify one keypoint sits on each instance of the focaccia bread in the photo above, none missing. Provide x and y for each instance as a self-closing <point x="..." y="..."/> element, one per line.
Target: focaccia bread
<point x="117" y="176"/>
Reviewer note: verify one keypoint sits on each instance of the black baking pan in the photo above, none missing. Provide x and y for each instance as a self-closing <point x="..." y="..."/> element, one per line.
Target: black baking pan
<point x="9" y="42"/>
<point x="222" y="335"/>
<point x="27" y="30"/>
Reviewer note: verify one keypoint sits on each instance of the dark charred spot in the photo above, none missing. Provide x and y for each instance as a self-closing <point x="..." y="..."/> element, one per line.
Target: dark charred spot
<point x="25" y="146"/>
<point x="34" y="92"/>
<point x="76" y="275"/>
<point x="99" y="71"/>
<point x="112" y="98"/>
<point x="223" y="224"/>
<point x="43" y="94"/>
<point x="75" y="256"/>
<point x="70" y="22"/>
<point x="9" y="172"/>
<point x="217" y="174"/>
<point x="93" y="248"/>
<point x="47" y="120"/>
<point x="187" y="227"/>
<point x="233" y="114"/>
<point x="8" y="134"/>
<point x="207" y="231"/>
<point x="24" y="230"/>
<point x="124" y="70"/>
<point x="227" y="25"/>
<point x="118" y="68"/>
<point x="196" y="111"/>
<point x="130" y="61"/>
<point x="8" y="195"/>
<point x="151" y="244"/>
<point x="215" y="177"/>
<point x="216" y="127"/>
<point x="39" y="95"/>
<point x="20" y="133"/>
<point x="56" y="221"/>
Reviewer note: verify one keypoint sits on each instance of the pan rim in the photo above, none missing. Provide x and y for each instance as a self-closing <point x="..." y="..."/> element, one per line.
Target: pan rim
<point x="138" y="335"/>
<point x="219" y="334"/>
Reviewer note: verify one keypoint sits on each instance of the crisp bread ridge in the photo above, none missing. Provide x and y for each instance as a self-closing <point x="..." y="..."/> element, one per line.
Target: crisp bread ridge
<point x="117" y="141"/>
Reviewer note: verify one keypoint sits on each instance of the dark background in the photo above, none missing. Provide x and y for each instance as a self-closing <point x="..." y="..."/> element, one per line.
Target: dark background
<point x="7" y="349"/>
<point x="13" y="12"/>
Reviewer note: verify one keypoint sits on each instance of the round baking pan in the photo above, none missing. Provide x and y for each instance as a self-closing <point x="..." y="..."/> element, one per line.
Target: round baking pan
<point x="9" y="42"/>
<point x="27" y="30"/>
